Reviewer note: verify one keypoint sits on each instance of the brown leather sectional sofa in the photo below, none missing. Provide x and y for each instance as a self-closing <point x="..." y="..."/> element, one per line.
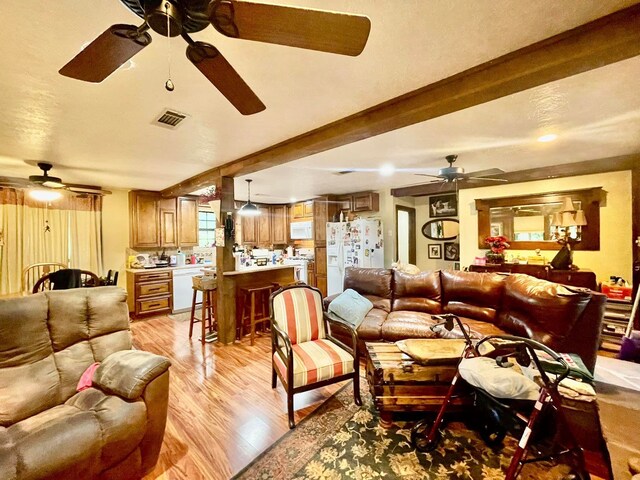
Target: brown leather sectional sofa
<point x="112" y="430"/>
<point x="564" y="318"/>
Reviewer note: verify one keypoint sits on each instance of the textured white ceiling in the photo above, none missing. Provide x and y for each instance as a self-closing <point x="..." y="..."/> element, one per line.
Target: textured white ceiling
<point x="595" y="115"/>
<point x="102" y="134"/>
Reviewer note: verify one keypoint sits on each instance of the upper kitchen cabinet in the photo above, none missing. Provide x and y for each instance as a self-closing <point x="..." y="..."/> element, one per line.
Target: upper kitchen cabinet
<point x="303" y="210"/>
<point x="279" y="224"/>
<point x="187" y="221"/>
<point x="321" y="216"/>
<point x="144" y="230"/>
<point x="264" y="226"/>
<point x="162" y="222"/>
<point x="365" y="201"/>
<point x="168" y="222"/>
<point x="343" y="202"/>
<point x="249" y="230"/>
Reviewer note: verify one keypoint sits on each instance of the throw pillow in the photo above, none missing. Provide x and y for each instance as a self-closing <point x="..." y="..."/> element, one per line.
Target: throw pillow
<point x="351" y="307"/>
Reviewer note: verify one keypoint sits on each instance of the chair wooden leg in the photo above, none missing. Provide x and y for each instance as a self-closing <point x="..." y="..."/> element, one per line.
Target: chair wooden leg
<point x="210" y="309"/>
<point x="274" y="377"/>
<point x="292" y="423"/>
<point x="214" y="322"/>
<point x="193" y="313"/>
<point x="253" y="317"/>
<point x="356" y="385"/>
<point x="204" y="317"/>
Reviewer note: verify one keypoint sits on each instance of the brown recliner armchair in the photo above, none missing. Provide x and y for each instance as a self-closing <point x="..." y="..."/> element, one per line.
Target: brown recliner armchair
<point x="48" y="430"/>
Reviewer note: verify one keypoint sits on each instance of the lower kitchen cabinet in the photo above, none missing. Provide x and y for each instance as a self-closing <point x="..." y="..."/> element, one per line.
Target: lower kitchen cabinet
<point x="321" y="284"/>
<point x="149" y="292"/>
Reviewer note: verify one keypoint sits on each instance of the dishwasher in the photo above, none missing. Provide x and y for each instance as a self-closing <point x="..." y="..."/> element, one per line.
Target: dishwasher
<point x="182" y="288"/>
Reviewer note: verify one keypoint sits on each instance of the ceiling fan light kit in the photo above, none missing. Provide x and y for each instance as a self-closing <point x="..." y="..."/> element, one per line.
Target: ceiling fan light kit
<point x="45" y="195"/>
<point x="331" y="32"/>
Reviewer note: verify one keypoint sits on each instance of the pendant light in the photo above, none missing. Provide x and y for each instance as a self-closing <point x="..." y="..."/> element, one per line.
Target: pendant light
<point x="249" y="209"/>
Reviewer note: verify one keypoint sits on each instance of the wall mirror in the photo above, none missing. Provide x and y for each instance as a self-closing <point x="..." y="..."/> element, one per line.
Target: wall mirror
<point x="441" y="229"/>
<point x="528" y="221"/>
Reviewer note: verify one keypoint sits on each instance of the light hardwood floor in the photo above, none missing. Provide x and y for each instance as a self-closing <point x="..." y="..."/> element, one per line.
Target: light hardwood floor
<point x="222" y="410"/>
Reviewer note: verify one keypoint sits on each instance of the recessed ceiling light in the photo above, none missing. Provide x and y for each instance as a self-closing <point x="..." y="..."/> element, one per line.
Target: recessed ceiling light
<point x="387" y="170"/>
<point x="549" y="137"/>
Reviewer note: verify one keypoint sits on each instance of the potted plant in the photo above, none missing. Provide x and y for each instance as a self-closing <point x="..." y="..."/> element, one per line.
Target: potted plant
<point x="212" y="196"/>
<point x="498" y="244"/>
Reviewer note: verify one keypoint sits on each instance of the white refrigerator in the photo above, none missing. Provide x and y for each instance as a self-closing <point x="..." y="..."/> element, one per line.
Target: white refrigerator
<point x="352" y="244"/>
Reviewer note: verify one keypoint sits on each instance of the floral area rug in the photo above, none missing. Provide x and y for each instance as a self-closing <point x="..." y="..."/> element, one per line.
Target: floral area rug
<point x="343" y="441"/>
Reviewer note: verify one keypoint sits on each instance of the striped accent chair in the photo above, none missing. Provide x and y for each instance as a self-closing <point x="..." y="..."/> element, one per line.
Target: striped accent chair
<point x="305" y="355"/>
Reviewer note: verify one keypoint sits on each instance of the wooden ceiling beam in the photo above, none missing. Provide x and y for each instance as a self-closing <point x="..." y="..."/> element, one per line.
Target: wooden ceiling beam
<point x="588" y="167"/>
<point x="607" y="40"/>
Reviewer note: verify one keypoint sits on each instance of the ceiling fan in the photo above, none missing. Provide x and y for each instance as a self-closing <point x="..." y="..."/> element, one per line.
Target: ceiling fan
<point x="453" y="174"/>
<point x="332" y="32"/>
<point x="47" y="181"/>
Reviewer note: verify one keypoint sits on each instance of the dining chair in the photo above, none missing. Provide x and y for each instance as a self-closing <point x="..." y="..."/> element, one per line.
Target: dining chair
<point x="32" y="273"/>
<point x="66" y="278"/>
<point x="304" y="354"/>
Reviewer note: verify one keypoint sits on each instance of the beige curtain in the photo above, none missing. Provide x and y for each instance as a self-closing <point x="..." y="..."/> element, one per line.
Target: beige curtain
<point x="66" y="231"/>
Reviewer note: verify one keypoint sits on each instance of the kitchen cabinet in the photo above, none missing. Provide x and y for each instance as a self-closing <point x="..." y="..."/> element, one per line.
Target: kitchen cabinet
<point x="320" y="219"/>
<point x="264" y="226"/>
<point x="279" y="224"/>
<point x="187" y="221"/>
<point x="144" y="229"/>
<point x="162" y="222"/>
<point x="168" y="222"/>
<point x="321" y="284"/>
<point x="344" y="202"/>
<point x="303" y="210"/>
<point x="320" y="265"/>
<point x="311" y="275"/>
<point x="149" y="292"/>
<point x="249" y="230"/>
<point x="365" y="201"/>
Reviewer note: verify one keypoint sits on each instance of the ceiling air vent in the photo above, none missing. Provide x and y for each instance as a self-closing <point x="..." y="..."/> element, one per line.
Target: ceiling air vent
<point x="343" y="172"/>
<point x="170" y="119"/>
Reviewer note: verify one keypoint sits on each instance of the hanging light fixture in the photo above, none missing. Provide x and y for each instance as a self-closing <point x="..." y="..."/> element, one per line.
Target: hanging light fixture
<point x="249" y="209"/>
<point x="45" y="195"/>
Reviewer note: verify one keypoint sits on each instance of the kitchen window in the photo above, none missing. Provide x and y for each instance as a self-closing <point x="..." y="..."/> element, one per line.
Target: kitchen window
<point x="207" y="229"/>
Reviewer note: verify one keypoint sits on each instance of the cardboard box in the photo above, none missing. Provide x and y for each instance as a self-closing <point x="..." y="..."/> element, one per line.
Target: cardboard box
<point x="617" y="293"/>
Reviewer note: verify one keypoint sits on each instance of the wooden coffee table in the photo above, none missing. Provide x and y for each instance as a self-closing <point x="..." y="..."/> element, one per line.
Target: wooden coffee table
<point x="400" y="384"/>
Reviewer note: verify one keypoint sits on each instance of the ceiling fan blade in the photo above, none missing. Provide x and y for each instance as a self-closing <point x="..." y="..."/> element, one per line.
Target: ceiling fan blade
<point x="15" y="182"/>
<point x="92" y="189"/>
<point x="486" y="173"/>
<point x="431" y="176"/>
<point x="218" y="71"/>
<point x="53" y="184"/>
<point x="485" y="179"/>
<point x="332" y="32"/>
<point x="114" y="47"/>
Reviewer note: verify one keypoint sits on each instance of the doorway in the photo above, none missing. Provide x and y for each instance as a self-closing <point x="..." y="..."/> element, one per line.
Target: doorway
<point x="405" y="234"/>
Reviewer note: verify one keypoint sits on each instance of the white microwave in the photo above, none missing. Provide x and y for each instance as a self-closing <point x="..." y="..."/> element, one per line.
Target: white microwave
<point x="301" y="230"/>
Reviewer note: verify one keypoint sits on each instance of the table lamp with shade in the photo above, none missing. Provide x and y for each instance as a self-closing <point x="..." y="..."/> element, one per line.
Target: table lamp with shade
<point x="565" y="218"/>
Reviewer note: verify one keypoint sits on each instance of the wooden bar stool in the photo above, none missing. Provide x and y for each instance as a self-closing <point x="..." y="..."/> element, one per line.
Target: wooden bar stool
<point x="209" y="310"/>
<point x="254" y="308"/>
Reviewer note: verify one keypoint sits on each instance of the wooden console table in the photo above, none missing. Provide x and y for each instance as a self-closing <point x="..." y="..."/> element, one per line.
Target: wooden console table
<point x="575" y="278"/>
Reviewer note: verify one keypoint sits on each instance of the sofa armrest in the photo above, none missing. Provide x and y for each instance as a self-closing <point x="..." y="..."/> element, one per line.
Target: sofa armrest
<point x="327" y="300"/>
<point x="128" y="372"/>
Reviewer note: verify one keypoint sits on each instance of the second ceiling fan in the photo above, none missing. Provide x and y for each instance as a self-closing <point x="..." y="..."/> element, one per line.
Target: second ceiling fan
<point x="453" y="174"/>
<point x="332" y="32"/>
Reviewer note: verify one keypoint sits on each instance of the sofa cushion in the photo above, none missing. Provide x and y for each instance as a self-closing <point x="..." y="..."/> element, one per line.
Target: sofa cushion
<point x="407" y="324"/>
<point x="375" y="284"/>
<point x="61" y="442"/>
<point x="471" y="294"/>
<point x="371" y="327"/>
<point x="122" y="423"/>
<point x="420" y="292"/>
<point x="541" y="310"/>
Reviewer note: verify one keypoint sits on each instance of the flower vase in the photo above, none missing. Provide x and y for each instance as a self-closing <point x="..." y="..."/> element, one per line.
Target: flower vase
<point x="495" y="258"/>
<point x="215" y="206"/>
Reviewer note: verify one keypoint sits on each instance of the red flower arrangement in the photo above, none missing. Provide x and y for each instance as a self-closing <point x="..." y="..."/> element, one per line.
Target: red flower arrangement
<point x="497" y="244"/>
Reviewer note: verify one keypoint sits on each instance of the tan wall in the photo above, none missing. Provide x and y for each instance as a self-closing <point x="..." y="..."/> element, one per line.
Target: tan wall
<point x="115" y="232"/>
<point x="615" y="254"/>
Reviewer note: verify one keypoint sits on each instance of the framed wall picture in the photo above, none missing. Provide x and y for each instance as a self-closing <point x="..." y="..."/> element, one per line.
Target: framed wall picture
<point x="456" y="266"/>
<point x="452" y="251"/>
<point x="435" y="251"/>
<point x="443" y="205"/>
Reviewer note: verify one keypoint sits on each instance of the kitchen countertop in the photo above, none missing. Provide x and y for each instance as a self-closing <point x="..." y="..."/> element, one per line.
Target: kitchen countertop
<point x="169" y="269"/>
<point x="258" y="269"/>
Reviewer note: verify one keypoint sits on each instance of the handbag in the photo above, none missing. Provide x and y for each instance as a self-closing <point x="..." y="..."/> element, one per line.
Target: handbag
<point x="562" y="260"/>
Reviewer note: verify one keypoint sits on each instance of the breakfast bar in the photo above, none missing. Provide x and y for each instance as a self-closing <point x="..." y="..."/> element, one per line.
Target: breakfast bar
<point x="234" y="280"/>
